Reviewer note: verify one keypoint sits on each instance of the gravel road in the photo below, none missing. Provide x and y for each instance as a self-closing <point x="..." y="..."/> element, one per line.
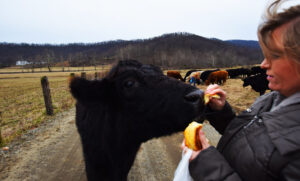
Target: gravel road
<point x="53" y="152"/>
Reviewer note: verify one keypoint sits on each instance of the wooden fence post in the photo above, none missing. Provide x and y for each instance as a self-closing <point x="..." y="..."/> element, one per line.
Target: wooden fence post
<point x="47" y="95"/>
<point x="83" y="75"/>
<point x="1" y="139"/>
<point x="71" y="77"/>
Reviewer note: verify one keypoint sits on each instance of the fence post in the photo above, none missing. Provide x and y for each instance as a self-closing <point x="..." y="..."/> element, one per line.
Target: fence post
<point x="83" y="75"/>
<point x="47" y="95"/>
<point x="71" y="77"/>
<point x="1" y="139"/>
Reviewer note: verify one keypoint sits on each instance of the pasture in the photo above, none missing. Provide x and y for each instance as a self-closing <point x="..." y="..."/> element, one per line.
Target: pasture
<point x="22" y="104"/>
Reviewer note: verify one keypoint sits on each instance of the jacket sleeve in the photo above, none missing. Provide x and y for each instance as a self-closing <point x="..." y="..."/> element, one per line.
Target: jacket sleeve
<point x="291" y="172"/>
<point x="211" y="165"/>
<point x="220" y="119"/>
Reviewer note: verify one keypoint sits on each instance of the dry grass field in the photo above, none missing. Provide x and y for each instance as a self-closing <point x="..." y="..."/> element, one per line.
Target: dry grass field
<point x="22" y="104"/>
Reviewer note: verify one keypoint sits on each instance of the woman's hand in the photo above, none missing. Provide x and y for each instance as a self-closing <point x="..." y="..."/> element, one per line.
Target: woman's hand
<point x="204" y="142"/>
<point x="216" y="104"/>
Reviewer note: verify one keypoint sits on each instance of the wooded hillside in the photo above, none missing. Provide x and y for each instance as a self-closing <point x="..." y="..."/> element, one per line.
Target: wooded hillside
<point x="175" y="50"/>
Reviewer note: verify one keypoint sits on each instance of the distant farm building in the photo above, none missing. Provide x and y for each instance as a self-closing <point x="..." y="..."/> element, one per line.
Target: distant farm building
<point x="22" y="62"/>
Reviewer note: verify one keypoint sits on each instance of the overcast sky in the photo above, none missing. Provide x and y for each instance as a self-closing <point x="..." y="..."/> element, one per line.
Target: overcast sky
<point x="89" y="21"/>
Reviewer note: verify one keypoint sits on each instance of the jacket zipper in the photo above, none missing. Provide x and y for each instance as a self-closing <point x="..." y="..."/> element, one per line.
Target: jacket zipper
<point x="251" y="122"/>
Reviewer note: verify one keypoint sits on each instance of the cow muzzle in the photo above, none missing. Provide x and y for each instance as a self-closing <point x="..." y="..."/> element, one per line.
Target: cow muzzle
<point x="195" y="97"/>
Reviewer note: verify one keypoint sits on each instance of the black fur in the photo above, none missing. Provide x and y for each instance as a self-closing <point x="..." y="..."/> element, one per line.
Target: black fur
<point x="131" y="105"/>
<point x="258" y="82"/>
<point x="206" y="73"/>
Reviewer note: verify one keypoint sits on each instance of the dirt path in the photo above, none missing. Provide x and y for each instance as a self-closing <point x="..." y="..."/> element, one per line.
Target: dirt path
<point x="53" y="152"/>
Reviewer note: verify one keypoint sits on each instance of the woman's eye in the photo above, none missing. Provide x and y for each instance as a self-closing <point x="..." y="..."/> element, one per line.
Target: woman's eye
<point x="129" y="84"/>
<point x="275" y="56"/>
<point x="272" y="57"/>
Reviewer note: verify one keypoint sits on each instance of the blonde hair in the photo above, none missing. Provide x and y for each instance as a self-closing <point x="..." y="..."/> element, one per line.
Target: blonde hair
<point x="291" y="35"/>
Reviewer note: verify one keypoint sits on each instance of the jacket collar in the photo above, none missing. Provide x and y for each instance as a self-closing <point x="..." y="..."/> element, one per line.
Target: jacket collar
<point x="283" y="123"/>
<point x="293" y="99"/>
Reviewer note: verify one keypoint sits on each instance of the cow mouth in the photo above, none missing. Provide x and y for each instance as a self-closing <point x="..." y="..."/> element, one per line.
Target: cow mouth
<point x="195" y="97"/>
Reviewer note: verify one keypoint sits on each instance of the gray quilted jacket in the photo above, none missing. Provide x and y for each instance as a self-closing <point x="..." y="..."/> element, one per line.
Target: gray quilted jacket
<point x="262" y="143"/>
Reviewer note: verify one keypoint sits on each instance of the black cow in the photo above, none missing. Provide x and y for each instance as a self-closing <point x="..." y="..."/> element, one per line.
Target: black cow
<point x="233" y="73"/>
<point x="257" y="70"/>
<point x="243" y="72"/>
<point x="258" y="82"/>
<point x="132" y="104"/>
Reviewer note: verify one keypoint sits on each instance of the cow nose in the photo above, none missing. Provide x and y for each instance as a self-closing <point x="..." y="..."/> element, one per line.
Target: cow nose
<point x="195" y="96"/>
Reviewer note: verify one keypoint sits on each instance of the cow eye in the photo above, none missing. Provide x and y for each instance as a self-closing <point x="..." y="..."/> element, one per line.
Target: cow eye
<point x="129" y="84"/>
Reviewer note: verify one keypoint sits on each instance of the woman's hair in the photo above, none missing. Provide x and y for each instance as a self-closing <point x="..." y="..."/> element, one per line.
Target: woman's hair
<point x="291" y="35"/>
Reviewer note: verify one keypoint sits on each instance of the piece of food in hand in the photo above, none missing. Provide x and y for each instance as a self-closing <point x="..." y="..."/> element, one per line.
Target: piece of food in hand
<point x="207" y="96"/>
<point x="191" y="136"/>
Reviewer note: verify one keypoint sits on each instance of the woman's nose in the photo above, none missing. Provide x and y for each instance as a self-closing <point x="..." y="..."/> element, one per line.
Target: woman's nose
<point x="265" y="64"/>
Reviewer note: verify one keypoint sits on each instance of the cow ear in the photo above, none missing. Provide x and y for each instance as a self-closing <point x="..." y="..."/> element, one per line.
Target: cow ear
<point x="88" y="92"/>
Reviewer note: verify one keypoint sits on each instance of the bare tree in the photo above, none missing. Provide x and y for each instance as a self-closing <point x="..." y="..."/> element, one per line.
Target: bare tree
<point x="49" y="56"/>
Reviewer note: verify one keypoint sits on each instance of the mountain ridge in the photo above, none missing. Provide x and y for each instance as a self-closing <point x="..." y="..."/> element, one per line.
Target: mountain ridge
<point x="177" y="50"/>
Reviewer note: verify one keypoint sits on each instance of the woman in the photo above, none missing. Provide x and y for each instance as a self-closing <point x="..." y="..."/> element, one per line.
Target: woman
<point x="263" y="142"/>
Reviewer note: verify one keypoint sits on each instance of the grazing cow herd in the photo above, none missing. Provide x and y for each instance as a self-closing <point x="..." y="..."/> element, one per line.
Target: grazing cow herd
<point x="254" y="77"/>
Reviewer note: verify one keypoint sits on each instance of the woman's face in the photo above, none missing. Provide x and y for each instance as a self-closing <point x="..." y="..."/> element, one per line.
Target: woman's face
<point x="283" y="73"/>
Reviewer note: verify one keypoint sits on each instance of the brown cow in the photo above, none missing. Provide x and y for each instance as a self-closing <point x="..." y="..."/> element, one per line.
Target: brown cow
<point x="218" y="77"/>
<point x="175" y="74"/>
<point x="196" y="77"/>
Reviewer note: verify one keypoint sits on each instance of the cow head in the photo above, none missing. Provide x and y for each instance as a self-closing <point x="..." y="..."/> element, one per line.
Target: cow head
<point x="132" y="104"/>
<point x="246" y="81"/>
<point x="141" y="96"/>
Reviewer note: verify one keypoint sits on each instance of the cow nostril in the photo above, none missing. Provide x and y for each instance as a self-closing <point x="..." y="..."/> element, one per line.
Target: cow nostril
<point x="194" y="96"/>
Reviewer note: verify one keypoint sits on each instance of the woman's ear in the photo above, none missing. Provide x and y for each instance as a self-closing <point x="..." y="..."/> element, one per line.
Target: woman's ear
<point x="88" y="92"/>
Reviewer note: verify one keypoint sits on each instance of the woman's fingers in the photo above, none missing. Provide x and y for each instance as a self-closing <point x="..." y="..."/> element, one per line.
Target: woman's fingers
<point x="204" y="141"/>
<point x="216" y="104"/>
<point x="215" y="89"/>
<point x="194" y="155"/>
<point x="182" y="144"/>
<point x="212" y="87"/>
<point x="183" y="147"/>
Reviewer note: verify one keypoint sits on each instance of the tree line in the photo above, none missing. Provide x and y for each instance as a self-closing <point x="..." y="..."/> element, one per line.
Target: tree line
<point x="175" y="50"/>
